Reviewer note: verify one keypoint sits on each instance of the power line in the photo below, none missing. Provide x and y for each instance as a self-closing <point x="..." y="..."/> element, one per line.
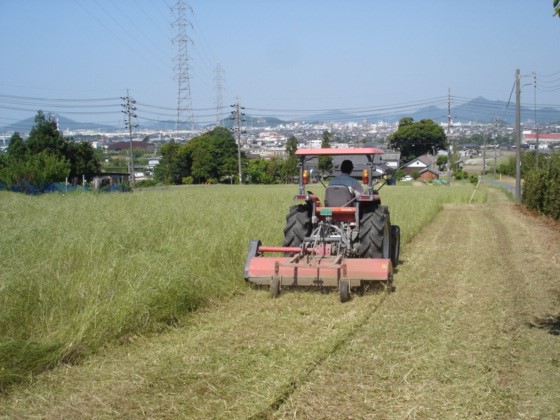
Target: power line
<point x="110" y="30"/>
<point x="110" y="105"/>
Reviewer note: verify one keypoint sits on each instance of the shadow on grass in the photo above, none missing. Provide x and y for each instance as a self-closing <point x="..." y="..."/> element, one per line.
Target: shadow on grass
<point x="549" y="323"/>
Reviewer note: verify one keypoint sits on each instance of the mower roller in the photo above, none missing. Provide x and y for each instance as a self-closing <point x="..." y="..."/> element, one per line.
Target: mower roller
<point x="347" y="243"/>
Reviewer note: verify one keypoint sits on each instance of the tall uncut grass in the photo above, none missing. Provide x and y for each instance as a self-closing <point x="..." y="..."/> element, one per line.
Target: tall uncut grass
<point x="85" y="269"/>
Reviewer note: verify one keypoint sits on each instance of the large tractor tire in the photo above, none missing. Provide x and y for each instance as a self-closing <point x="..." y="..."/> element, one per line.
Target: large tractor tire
<point x="298" y="225"/>
<point x="395" y="244"/>
<point x="375" y="233"/>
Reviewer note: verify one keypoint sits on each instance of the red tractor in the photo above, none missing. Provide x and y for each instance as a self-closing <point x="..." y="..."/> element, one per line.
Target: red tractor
<point x="347" y="243"/>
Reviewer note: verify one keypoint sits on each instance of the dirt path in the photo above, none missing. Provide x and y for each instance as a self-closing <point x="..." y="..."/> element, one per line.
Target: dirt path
<point x="473" y="330"/>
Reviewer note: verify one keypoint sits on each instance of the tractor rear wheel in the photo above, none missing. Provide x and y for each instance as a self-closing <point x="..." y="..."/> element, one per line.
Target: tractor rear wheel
<point x="375" y="233"/>
<point x="395" y="244"/>
<point x="298" y="225"/>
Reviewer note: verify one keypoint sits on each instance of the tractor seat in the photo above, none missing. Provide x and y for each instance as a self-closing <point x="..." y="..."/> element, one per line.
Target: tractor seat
<point x="339" y="196"/>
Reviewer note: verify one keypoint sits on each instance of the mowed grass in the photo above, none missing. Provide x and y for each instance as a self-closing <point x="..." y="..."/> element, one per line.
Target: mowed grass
<point x="85" y="269"/>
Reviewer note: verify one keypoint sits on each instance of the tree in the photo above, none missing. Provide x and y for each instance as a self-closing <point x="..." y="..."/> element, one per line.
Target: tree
<point x="210" y="157"/>
<point x="325" y="162"/>
<point x="258" y="171"/>
<point x="45" y="136"/>
<point x="46" y="157"/>
<point x="211" y="154"/>
<point x="17" y="147"/>
<point x="556" y="4"/>
<point x="82" y="159"/>
<point x="290" y="167"/>
<point x="167" y="171"/>
<point x="38" y="171"/>
<point x="414" y="139"/>
<point x="264" y="171"/>
<point x="441" y="161"/>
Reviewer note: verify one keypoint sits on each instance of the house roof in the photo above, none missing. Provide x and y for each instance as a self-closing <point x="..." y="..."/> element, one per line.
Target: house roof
<point x="542" y="136"/>
<point x="426" y="160"/>
<point x="429" y="169"/>
<point x="339" y="151"/>
<point x="125" y="145"/>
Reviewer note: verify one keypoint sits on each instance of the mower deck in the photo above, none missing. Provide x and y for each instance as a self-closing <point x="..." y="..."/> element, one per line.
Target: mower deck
<point x="312" y="268"/>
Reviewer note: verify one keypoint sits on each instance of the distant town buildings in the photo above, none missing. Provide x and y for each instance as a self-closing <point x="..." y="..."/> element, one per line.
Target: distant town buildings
<point x="268" y="142"/>
<point x="545" y="140"/>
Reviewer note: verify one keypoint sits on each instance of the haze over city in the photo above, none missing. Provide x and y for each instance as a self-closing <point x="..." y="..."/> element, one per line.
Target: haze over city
<point x="283" y="58"/>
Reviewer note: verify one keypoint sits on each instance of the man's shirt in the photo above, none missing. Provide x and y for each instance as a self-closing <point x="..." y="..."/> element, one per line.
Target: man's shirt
<point x="344" y="179"/>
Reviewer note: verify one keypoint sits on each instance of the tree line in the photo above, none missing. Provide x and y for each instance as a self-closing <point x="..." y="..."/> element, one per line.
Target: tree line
<point x="213" y="158"/>
<point x="46" y="157"/>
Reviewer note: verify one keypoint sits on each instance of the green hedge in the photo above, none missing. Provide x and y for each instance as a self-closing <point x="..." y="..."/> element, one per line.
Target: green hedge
<point x="541" y="190"/>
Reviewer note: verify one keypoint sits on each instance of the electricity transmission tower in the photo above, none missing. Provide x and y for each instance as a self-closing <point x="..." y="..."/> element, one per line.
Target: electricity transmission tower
<point x="237" y="116"/>
<point x="181" y="65"/>
<point x="219" y="79"/>
<point x="129" y="110"/>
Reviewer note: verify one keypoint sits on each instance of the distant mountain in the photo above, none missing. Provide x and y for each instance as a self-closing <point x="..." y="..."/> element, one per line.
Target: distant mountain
<point x="161" y="125"/>
<point x="24" y="126"/>
<point x="254" y="122"/>
<point x="477" y="110"/>
<point x="334" y="115"/>
<point x="484" y="111"/>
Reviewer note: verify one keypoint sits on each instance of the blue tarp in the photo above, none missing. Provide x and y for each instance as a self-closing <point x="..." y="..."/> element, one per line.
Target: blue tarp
<point x="26" y="188"/>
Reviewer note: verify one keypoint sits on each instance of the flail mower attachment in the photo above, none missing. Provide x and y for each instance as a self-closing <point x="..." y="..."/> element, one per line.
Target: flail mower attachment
<point x="312" y="267"/>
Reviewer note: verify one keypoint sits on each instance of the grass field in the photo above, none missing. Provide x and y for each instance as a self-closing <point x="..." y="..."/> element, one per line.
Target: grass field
<point x="84" y="269"/>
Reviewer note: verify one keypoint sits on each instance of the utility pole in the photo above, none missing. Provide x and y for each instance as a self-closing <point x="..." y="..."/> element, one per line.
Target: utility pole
<point x="495" y="123"/>
<point x="219" y="88"/>
<point x="495" y="156"/>
<point x="449" y="136"/>
<point x="128" y="109"/>
<point x="181" y="65"/>
<point x="237" y="116"/>
<point x="484" y="138"/>
<point x="517" y="136"/>
<point x="536" y="125"/>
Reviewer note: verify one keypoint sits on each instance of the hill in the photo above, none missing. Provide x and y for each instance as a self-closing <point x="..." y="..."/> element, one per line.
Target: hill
<point x="482" y="110"/>
<point x="478" y="110"/>
<point x="254" y="122"/>
<point x="24" y="126"/>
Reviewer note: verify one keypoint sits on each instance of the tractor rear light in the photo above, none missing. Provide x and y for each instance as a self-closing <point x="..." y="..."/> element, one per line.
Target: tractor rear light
<point x="365" y="176"/>
<point x="368" y="197"/>
<point x="305" y="177"/>
<point x="301" y="197"/>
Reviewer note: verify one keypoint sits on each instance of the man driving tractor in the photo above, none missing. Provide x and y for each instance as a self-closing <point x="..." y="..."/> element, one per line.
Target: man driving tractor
<point x="346" y="179"/>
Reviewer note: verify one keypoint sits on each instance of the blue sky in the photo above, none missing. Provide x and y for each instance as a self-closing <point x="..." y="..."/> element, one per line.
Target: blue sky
<point x="284" y="57"/>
